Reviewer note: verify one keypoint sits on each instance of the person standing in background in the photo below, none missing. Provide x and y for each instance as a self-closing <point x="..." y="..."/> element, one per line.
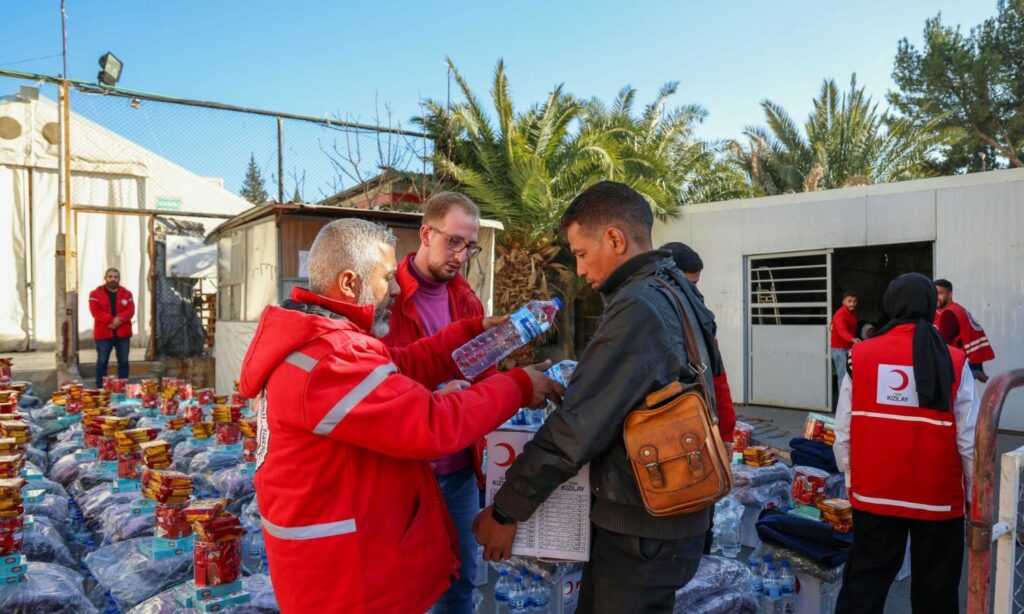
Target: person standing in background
<point x="959" y="329"/>
<point x="844" y="334"/>
<point x="112" y="308"/>
<point x="435" y="294"/>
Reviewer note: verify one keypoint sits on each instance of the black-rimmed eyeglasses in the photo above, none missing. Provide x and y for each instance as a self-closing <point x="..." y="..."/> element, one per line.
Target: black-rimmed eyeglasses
<point x="457" y="245"/>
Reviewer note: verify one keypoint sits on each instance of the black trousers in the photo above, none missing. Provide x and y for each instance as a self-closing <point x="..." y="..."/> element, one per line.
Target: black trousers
<point x="879" y="545"/>
<point x="628" y="574"/>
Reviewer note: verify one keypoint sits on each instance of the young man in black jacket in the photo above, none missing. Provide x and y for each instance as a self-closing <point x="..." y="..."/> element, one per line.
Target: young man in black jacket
<point x="638" y="561"/>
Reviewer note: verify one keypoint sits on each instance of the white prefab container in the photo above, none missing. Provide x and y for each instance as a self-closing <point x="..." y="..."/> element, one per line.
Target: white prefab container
<point x="775" y="269"/>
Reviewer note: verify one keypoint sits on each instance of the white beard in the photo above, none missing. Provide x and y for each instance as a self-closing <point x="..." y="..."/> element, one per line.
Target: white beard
<point x="381" y="312"/>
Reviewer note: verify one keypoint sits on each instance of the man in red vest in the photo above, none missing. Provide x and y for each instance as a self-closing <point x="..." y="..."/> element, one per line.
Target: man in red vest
<point x="112" y="308"/>
<point x="352" y="515"/>
<point x="434" y="294"/>
<point x="905" y="440"/>
<point x="959" y="328"/>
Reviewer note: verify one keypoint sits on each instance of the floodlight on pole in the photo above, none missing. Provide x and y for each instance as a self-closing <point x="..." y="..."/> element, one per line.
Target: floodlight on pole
<point x="110" y="69"/>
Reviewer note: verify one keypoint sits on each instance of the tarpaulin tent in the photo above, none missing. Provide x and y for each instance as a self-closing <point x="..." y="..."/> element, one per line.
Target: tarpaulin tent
<point x="108" y="171"/>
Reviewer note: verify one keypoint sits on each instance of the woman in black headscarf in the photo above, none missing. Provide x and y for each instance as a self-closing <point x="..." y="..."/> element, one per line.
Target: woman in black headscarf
<point x="911" y="299"/>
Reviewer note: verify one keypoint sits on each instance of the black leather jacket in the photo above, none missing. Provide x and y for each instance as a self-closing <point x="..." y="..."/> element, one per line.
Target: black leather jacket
<point x="637" y="349"/>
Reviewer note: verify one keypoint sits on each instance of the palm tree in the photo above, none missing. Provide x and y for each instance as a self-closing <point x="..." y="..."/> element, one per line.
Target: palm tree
<point x="845" y="141"/>
<point x="524" y="168"/>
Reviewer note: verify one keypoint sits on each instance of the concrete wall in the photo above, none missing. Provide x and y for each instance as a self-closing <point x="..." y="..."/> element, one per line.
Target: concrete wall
<point x="976" y="222"/>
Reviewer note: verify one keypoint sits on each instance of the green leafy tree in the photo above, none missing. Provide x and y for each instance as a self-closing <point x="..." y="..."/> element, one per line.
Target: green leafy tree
<point x="253" y="188"/>
<point x="972" y="83"/>
<point x="524" y="167"/>
<point x="844" y="141"/>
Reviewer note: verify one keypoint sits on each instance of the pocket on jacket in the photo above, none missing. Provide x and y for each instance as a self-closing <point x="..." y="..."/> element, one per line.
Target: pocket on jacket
<point x="650" y="549"/>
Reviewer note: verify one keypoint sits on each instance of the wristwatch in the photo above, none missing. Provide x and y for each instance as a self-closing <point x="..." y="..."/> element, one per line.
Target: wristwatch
<point x="500" y="517"/>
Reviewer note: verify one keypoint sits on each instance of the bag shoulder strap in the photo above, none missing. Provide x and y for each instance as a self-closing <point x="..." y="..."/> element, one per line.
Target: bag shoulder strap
<point x="694" y="360"/>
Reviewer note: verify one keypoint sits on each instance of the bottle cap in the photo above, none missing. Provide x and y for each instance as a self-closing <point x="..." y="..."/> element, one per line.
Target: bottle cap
<point x="557" y="302"/>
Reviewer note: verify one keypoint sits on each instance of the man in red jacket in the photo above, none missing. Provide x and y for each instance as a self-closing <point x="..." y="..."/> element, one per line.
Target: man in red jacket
<point x="844" y="334"/>
<point x="960" y="330"/>
<point x="352" y="514"/>
<point x="434" y="294"/>
<point x="112" y="308"/>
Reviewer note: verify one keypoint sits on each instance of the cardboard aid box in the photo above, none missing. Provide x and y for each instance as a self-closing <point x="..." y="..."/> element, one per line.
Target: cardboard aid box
<point x="560" y="528"/>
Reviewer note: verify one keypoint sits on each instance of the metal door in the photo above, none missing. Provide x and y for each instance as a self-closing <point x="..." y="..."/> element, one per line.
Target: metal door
<point x="788" y="316"/>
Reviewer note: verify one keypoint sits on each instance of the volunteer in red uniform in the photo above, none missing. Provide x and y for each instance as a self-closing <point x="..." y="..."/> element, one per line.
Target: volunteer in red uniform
<point x="960" y="330"/>
<point x="352" y="514"/>
<point x="905" y="440"/>
<point x="433" y="295"/>
<point x="844" y="333"/>
<point x="112" y="308"/>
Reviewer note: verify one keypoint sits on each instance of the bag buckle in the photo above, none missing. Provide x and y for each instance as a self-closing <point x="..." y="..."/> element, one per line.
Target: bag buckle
<point x="697" y="369"/>
<point x="692" y="445"/>
<point x="649" y="454"/>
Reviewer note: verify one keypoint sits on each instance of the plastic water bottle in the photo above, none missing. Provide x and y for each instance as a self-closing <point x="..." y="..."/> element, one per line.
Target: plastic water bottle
<point x="485" y="350"/>
<point x="540" y="595"/>
<point x="501" y="590"/>
<point x="517" y="597"/>
<point x="772" y="587"/>
<point x="788" y="581"/>
<point x="755" y="572"/>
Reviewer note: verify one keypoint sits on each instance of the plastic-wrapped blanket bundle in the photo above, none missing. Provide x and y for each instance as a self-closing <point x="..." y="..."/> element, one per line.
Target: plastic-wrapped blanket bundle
<point x="89" y="477"/>
<point x="258" y="586"/>
<point x="51" y="506"/>
<point x="131" y="577"/>
<point x="118" y="523"/>
<point x="49" y="588"/>
<point x="51" y="487"/>
<point x="212" y="461"/>
<point x="65" y="470"/>
<point x="185" y="451"/>
<point x="44" y="544"/>
<point x="94" y="502"/>
<point x="721" y="586"/>
<point x="233" y="483"/>
<point x="37" y="457"/>
<point x="759" y="486"/>
<point x="800" y="563"/>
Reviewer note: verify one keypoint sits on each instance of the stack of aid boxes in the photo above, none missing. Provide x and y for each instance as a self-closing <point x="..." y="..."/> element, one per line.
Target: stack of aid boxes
<point x="216" y="582"/>
<point x="247" y="428"/>
<point x="226" y="417"/>
<point x="170" y="491"/>
<point x="13" y="563"/>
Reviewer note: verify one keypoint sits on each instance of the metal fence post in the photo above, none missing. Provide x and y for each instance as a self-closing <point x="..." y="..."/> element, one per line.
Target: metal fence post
<point x="983" y="513"/>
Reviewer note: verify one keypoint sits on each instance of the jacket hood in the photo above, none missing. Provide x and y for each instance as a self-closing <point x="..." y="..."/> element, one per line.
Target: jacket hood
<point x="283" y="330"/>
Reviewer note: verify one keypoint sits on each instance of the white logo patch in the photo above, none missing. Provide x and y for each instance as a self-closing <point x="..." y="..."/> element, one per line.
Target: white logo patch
<point x="262" y="429"/>
<point x="896" y="386"/>
<point x="124" y="301"/>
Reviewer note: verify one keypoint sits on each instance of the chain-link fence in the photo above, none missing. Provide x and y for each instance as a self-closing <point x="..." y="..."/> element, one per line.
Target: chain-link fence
<point x="1009" y="569"/>
<point x="136" y="156"/>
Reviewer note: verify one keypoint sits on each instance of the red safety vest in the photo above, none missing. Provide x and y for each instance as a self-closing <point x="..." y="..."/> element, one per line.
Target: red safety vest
<point x="971" y="337"/>
<point x="904" y="459"/>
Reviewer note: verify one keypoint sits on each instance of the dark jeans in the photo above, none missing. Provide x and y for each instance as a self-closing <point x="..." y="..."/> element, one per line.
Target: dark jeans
<point x="635" y="574"/>
<point x="103" y="348"/>
<point x="462" y="496"/>
<point x="879" y="545"/>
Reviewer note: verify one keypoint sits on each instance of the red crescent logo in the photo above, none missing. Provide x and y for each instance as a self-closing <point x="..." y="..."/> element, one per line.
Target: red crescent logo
<point x="511" y="455"/>
<point x="903" y="376"/>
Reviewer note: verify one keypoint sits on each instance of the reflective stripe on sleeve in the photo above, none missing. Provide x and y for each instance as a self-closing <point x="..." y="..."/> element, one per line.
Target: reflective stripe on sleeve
<point x="311" y="531"/>
<point x="872" y="414"/>
<point x="302" y="361"/>
<point x="354" y="396"/>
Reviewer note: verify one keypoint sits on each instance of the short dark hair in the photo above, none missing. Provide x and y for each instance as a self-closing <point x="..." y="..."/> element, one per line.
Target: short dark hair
<point x="609" y="202"/>
<point x="944" y="283"/>
<point x="850" y="294"/>
<point x="439" y="204"/>
<point x="686" y="259"/>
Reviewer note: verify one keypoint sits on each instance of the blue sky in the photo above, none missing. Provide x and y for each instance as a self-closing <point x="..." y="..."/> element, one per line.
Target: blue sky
<point x="338" y="58"/>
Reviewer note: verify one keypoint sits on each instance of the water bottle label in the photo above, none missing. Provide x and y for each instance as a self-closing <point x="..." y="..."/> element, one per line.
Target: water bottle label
<point x="526" y="324"/>
<point x="774" y="592"/>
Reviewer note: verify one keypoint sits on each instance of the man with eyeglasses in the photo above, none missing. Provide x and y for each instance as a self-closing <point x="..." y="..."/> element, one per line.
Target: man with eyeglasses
<point x="434" y="294"/>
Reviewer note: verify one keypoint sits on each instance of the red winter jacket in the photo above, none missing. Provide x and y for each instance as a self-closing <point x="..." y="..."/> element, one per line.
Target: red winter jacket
<point x="726" y="410"/>
<point x="406" y="327"/>
<point x="99" y="307"/>
<point x="844" y="328"/>
<point x="352" y="515"/>
<point x="970" y="336"/>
